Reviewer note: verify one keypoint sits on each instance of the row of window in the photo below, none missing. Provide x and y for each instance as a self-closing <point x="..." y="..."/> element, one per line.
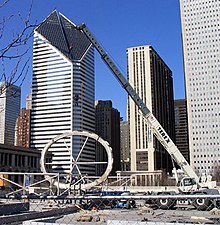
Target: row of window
<point x="205" y="156"/>
<point x="8" y="159"/>
<point x="208" y="161"/>
<point x="206" y="167"/>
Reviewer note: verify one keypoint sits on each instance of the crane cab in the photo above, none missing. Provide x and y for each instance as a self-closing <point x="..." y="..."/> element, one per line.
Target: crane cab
<point x="187" y="184"/>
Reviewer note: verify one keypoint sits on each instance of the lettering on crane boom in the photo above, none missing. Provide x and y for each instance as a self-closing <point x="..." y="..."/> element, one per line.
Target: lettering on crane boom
<point x="163" y="134"/>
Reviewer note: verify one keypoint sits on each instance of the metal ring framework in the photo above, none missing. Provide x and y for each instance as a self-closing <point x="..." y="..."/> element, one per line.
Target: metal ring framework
<point x="94" y="136"/>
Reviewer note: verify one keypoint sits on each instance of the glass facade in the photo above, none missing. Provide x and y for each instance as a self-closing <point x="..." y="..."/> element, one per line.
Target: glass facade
<point x="62" y="90"/>
<point x="10" y="98"/>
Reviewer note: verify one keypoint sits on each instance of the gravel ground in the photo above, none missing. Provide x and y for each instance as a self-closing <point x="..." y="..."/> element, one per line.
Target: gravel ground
<point x="140" y="215"/>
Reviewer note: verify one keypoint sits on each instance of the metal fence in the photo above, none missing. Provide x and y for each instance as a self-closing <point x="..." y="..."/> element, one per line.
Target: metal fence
<point x="94" y="208"/>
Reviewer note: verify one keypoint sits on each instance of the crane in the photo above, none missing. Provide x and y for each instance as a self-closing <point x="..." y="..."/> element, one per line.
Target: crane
<point x="158" y="130"/>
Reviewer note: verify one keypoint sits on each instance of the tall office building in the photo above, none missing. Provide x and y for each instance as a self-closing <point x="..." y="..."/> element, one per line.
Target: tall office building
<point x="181" y="127"/>
<point x="22" y="129"/>
<point x="108" y="127"/>
<point x="152" y="80"/>
<point x="23" y="124"/>
<point x="29" y="100"/>
<point x="63" y="92"/>
<point x="124" y="147"/>
<point x="201" y="50"/>
<point x="10" y="98"/>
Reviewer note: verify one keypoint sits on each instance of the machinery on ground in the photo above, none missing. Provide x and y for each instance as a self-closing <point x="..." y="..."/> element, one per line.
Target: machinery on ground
<point x="190" y="184"/>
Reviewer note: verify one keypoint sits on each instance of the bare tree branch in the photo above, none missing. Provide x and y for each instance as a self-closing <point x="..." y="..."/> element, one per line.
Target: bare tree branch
<point x="4" y="3"/>
<point x="14" y="56"/>
<point x="22" y="73"/>
<point x="2" y="25"/>
<point x="3" y="76"/>
<point x="18" y="42"/>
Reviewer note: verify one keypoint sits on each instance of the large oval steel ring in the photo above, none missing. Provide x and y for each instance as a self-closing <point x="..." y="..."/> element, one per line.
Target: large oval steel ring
<point x="94" y="136"/>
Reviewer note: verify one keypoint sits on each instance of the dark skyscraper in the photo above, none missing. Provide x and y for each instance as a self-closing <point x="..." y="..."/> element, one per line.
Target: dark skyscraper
<point x="108" y="127"/>
<point x="181" y="127"/>
<point x="125" y="148"/>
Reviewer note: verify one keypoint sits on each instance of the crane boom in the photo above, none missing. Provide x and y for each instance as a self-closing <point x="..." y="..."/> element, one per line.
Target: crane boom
<point x="158" y="130"/>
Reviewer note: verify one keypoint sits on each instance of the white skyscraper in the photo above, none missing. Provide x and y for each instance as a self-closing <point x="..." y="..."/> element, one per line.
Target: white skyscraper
<point x="62" y="90"/>
<point x="201" y="47"/>
<point x="10" y="99"/>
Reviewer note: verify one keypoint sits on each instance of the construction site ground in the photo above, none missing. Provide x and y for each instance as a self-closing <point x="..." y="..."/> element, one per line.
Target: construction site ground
<point x="136" y="216"/>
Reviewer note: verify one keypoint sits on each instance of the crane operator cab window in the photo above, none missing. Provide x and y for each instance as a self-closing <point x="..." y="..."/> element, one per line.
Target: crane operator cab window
<point x="188" y="181"/>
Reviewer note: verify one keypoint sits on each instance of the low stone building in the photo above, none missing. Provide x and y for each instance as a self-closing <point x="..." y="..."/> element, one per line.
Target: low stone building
<point x="15" y="159"/>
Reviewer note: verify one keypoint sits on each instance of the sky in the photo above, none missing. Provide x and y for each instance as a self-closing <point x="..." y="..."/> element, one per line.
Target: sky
<point x="117" y="25"/>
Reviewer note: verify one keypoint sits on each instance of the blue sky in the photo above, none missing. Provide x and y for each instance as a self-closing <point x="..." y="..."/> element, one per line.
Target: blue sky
<point x="117" y="25"/>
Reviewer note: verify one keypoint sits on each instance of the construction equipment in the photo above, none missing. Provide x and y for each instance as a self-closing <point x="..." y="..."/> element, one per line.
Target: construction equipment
<point x="190" y="183"/>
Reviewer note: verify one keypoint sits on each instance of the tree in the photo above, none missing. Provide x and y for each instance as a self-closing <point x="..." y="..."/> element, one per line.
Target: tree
<point x="14" y="46"/>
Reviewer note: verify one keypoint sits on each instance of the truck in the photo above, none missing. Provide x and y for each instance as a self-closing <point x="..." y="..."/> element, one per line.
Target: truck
<point x="108" y="199"/>
<point x="191" y="184"/>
